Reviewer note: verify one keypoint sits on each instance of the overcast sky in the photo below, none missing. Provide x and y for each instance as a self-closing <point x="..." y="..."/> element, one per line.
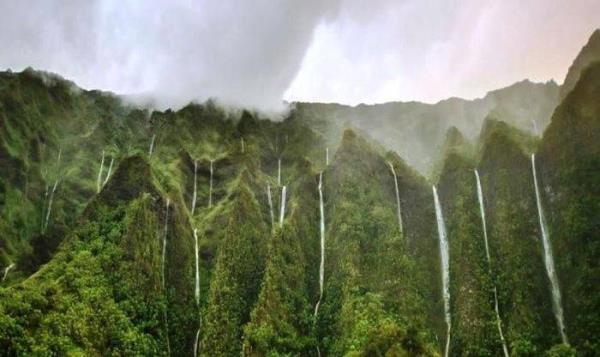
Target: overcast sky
<point x="258" y="53"/>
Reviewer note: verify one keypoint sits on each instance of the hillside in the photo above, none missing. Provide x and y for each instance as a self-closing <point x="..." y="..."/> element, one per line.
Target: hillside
<point x="416" y="130"/>
<point x="210" y="232"/>
<point x="588" y="54"/>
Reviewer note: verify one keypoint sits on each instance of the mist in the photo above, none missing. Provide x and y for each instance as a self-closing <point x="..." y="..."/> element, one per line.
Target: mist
<point x="168" y="52"/>
<point x="259" y="54"/>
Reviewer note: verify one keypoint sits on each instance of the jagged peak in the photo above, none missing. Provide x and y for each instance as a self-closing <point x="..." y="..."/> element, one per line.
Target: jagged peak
<point x="588" y="54"/>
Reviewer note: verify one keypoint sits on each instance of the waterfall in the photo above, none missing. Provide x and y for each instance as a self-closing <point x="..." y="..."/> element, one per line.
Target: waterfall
<point x="164" y="245"/>
<point x="197" y="288"/>
<point x="326" y="156"/>
<point x="44" y="209"/>
<point x="243" y="146"/>
<point x="270" y="199"/>
<point x="397" y="197"/>
<point x="549" y="259"/>
<point x="195" y="187"/>
<point x="535" y="127"/>
<point x="210" y="185"/>
<point x="196" y="342"/>
<point x="99" y="180"/>
<point x="164" y="253"/>
<point x="279" y="172"/>
<point x="322" y="232"/>
<point x="49" y="210"/>
<point x="282" y="213"/>
<point x="6" y="270"/>
<point x="489" y="261"/>
<point x="445" y="263"/>
<point x="112" y="161"/>
<point x="151" y="145"/>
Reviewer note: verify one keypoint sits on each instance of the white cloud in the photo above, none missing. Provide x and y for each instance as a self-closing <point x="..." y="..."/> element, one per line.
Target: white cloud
<point x="256" y="53"/>
<point x="429" y="50"/>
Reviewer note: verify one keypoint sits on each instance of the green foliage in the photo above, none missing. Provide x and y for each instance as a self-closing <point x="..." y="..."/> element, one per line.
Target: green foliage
<point x="561" y="350"/>
<point x="570" y="171"/>
<point x="91" y="283"/>
<point x="238" y="274"/>
<point x="474" y="330"/>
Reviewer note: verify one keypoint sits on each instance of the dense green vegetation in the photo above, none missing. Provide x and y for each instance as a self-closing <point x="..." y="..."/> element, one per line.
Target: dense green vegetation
<point x="105" y="264"/>
<point x="569" y="159"/>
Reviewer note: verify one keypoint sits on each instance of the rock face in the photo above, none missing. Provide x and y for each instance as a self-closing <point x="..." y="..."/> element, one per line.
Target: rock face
<point x="114" y="273"/>
<point x="588" y="54"/>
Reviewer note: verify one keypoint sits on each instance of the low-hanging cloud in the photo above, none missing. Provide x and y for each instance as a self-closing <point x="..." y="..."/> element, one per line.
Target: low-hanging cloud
<point x="255" y="53"/>
<point x="240" y="52"/>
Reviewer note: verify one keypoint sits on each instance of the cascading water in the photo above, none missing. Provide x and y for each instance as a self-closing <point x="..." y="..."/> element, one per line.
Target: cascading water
<point x="99" y="180"/>
<point x="397" y="197"/>
<point x="243" y="146"/>
<point x="322" y="232"/>
<point x="270" y="199"/>
<point x="110" y="166"/>
<point x="535" y="127"/>
<point x="49" y="210"/>
<point x="6" y="270"/>
<point x="197" y="286"/>
<point x="279" y="172"/>
<point x="549" y="259"/>
<point x="164" y="245"/>
<point x="489" y="261"/>
<point x="194" y="195"/>
<point x="164" y="253"/>
<point x="210" y="185"/>
<point x="326" y="156"/>
<point x="282" y="213"/>
<point x="51" y="199"/>
<point x="445" y="263"/>
<point x="196" y="342"/>
<point x="151" y="145"/>
<point x="44" y="209"/>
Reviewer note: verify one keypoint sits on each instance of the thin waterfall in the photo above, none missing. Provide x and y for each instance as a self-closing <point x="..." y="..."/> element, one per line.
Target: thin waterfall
<point x="322" y="232"/>
<point x="282" y="213"/>
<point x="445" y="262"/>
<point x="151" y="145"/>
<point x="110" y="166"/>
<point x="326" y="156"/>
<point x="243" y="146"/>
<point x="196" y="342"/>
<point x="49" y="210"/>
<point x="549" y="259"/>
<point x="210" y="185"/>
<point x="164" y="245"/>
<point x="489" y="261"/>
<point x="270" y="199"/>
<point x="99" y="180"/>
<point x="535" y="127"/>
<point x="399" y="208"/>
<point x="51" y="199"/>
<point x="164" y="252"/>
<point x="194" y="195"/>
<point x="7" y="269"/>
<point x="44" y="208"/>
<point x="279" y="172"/>
<point x="197" y="288"/>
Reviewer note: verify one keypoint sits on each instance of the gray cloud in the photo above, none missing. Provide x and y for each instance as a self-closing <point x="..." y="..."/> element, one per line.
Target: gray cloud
<point x="242" y="52"/>
<point x="255" y="53"/>
<point x="429" y="50"/>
